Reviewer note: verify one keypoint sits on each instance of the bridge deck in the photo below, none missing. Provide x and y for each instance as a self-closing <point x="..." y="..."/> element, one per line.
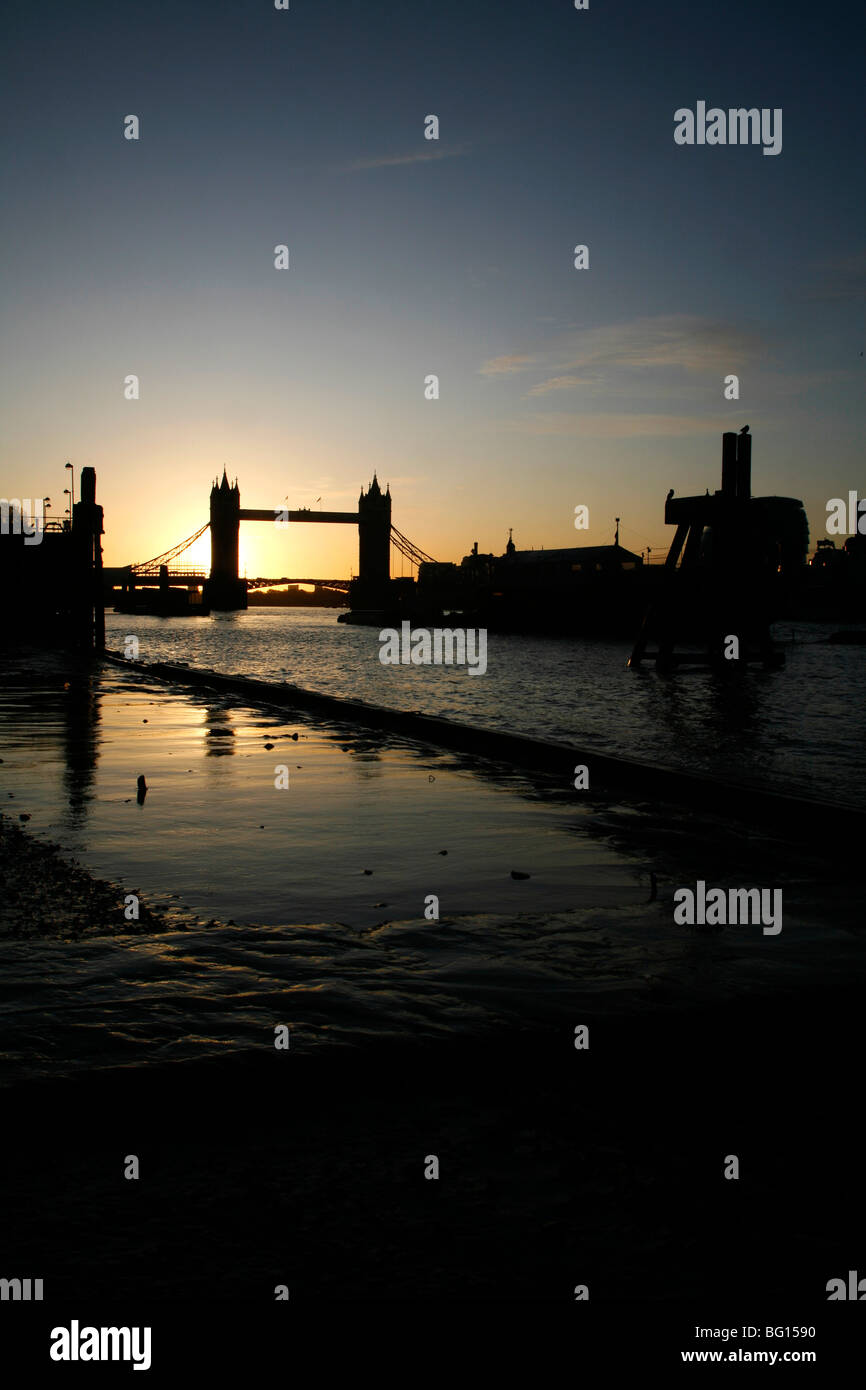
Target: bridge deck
<point x="186" y="576"/>
<point x="269" y="513"/>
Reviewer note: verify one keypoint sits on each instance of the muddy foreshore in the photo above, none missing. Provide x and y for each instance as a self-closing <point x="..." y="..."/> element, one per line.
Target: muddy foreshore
<point x="46" y="894"/>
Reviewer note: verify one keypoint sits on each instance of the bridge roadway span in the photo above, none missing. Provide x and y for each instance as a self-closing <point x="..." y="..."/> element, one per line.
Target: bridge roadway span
<point x="271" y="513"/>
<point x="186" y="577"/>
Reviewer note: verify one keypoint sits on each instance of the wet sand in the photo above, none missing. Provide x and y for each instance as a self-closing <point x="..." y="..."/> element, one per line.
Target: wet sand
<point x="365" y="829"/>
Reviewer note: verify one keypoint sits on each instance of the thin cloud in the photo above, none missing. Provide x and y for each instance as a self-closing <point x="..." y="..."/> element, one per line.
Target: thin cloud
<point x="501" y="366"/>
<point x="678" y="340"/>
<point x="609" y="425"/>
<point x="683" y="341"/>
<point x="388" y="161"/>
<point x="559" y="383"/>
<point x="842" y="278"/>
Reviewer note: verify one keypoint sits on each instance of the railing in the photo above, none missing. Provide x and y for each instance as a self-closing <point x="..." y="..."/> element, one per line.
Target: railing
<point x="174" y="572"/>
<point x="342" y="584"/>
<point x="40" y="523"/>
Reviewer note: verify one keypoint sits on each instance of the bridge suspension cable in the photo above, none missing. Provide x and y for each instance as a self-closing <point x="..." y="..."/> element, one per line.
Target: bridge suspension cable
<point x="413" y="553"/>
<point x="168" y="555"/>
<point x="406" y="547"/>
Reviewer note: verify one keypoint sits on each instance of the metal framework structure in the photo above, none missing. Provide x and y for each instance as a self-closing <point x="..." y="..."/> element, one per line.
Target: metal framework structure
<point x="407" y="548"/>
<point x="148" y="567"/>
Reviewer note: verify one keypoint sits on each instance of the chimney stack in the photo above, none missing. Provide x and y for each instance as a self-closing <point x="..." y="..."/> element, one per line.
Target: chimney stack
<point x="744" y="467"/>
<point x="729" y="465"/>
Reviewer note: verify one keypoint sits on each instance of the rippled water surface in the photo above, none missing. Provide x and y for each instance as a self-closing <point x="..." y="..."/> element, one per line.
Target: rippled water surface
<point x="310" y="904"/>
<point x="802" y="728"/>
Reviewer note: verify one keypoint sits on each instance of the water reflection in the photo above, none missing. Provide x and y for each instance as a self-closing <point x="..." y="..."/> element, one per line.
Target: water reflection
<point x="573" y="691"/>
<point x="718" y="722"/>
<point x="543" y="896"/>
<point x="60" y="707"/>
<point x="219" y="732"/>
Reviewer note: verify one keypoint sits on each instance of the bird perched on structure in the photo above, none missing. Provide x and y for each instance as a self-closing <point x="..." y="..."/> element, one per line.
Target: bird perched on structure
<point x="670" y="495"/>
<point x="745" y="429"/>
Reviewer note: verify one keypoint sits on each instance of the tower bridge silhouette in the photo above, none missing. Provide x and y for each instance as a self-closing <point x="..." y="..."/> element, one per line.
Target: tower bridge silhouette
<point x="224" y="588"/>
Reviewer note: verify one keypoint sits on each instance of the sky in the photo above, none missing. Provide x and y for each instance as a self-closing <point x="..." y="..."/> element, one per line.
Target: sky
<point x="601" y="387"/>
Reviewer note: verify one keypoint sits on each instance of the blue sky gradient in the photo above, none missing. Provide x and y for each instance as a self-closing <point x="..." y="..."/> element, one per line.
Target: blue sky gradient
<point x="558" y="387"/>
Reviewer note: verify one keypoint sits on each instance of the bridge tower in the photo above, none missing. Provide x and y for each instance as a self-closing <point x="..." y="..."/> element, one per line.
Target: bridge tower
<point x="224" y="589"/>
<point x="374" y="539"/>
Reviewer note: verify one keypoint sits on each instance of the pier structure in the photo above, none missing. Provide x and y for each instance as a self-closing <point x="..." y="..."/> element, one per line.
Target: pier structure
<point x="51" y="572"/>
<point x="88" y="608"/>
<point x="728" y="552"/>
